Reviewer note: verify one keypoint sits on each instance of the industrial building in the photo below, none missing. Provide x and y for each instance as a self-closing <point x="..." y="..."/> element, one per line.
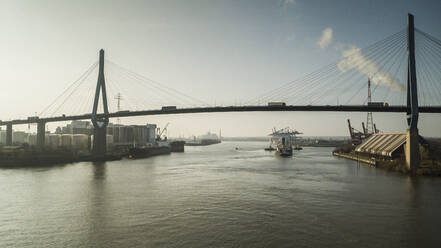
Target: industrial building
<point x="18" y="137"/>
<point x="385" y="145"/>
<point x="76" y="127"/>
<point x="139" y="135"/>
<point x="78" y="135"/>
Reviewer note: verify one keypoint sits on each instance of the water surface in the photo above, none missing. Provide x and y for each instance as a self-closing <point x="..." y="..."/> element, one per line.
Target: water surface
<point x="217" y="196"/>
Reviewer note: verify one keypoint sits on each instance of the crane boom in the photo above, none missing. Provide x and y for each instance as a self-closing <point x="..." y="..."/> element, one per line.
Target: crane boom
<point x="162" y="132"/>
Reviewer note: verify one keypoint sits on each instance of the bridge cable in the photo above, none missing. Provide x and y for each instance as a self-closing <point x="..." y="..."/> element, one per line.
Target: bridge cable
<point x="68" y="88"/>
<point x="333" y="65"/>
<point x="329" y="80"/>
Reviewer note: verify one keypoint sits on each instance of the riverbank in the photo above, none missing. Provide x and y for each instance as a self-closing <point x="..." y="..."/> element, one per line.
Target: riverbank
<point x="247" y="195"/>
<point x="21" y="157"/>
<point x="33" y="158"/>
<point x="355" y="157"/>
<point x="427" y="167"/>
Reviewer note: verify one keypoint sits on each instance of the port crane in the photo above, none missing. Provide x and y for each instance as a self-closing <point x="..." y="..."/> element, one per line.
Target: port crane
<point x="282" y="134"/>
<point x="357" y="137"/>
<point x="284" y="131"/>
<point x="160" y="133"/>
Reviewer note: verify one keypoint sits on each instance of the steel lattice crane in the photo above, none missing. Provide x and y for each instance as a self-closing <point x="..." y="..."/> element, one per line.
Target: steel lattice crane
<point x="370" y="129"/>
<point x="160" y="133"/>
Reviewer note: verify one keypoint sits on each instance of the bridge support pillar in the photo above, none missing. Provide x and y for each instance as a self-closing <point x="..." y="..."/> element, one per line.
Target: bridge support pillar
<point x="9" y="134"/>
<point x="99" y="141"/>
<point x="412" y="151"/>
<point x="100" y="123"/>
<point x="41" y="132"/>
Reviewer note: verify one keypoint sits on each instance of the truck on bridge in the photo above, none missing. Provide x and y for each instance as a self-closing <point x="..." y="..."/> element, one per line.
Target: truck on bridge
<point x="276" y="104"/>
<point x="378" y="104"/>
<point x="166" y="108"/>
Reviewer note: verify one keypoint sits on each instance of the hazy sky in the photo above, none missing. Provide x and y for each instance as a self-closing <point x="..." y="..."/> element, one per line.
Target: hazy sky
<point x="221" y="52"/>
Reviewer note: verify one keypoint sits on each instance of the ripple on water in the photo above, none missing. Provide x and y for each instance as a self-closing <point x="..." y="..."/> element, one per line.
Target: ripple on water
<point x="218" y="196"/>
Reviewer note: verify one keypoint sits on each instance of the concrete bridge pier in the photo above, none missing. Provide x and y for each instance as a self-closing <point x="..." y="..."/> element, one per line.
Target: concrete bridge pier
<point x="99" y="140"/>
<point x="9" y="134"/>
<point x="412" y="150"/>
<point x="41" y="132"/>
<point x="100" y="123"/>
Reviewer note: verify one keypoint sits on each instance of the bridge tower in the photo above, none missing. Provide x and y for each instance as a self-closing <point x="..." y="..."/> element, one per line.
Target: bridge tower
<point x="9" y="134"/>
<point x="41" y="132"/>
<point x="101" y="121"/>
<point x="412" y="142"/>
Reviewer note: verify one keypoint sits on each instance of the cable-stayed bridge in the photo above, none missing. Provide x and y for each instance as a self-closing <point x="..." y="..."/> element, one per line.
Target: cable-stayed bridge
<point x="393" y="65"/>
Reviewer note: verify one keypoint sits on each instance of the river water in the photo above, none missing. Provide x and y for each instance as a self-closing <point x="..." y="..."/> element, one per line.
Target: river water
<point x="217" y="196"/>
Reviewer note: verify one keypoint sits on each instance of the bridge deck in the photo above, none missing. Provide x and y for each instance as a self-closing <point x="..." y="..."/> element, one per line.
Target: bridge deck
<point x="299" y="108"/>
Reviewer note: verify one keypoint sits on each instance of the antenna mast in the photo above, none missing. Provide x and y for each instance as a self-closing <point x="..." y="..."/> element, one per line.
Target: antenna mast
<point x="370" y="120"/>
<point x="119" y="98"/>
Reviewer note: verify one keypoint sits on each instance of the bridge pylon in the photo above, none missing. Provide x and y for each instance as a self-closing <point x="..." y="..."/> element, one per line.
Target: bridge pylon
<point x="412" y="136"/>
<point x="41" y="132"/>
<point x="9" y="134"/>
<point x="101" y="121"/>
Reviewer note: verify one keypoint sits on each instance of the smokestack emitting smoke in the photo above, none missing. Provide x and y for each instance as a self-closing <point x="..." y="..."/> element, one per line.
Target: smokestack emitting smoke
<point x="352" y="58"/>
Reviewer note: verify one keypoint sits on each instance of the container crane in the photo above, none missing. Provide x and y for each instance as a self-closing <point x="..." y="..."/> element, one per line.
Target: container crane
<point x="160" y="133"/>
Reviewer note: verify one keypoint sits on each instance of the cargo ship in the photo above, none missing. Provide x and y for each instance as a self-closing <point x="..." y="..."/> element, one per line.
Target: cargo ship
<point x="205" y="140"/>
<point x="145" y="152"/>
<point x="161" y="146"/>
<point x="282" y="141"/>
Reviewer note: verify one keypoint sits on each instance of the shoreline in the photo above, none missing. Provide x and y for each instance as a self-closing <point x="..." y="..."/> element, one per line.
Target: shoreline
<point x="427" y="168"/>
<point x="33" y="158"/>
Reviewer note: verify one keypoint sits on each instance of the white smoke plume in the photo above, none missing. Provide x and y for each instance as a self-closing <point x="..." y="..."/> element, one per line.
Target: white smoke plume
<point x="352" y="58"/>
<point x="326" y="38"/>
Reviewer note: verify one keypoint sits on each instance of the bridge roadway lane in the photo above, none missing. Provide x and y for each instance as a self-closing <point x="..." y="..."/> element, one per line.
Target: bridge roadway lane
<point x="320" y="108"/>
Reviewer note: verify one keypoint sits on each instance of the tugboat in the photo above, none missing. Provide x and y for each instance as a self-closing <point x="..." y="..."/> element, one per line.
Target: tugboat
<point x="283" y="140"/>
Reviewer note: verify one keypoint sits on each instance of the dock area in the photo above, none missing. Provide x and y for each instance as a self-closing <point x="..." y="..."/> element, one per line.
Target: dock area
<point x="351" y="156"/>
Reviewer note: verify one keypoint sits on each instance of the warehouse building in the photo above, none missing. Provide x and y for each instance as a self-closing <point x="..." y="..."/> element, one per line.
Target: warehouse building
<point x="385" y="145"/>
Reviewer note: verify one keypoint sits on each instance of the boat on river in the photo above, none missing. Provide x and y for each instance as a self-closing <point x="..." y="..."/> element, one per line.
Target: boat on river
<point x="283" y="141"/>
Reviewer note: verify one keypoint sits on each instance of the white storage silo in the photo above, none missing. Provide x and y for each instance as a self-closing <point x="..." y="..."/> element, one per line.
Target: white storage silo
<point x="109" y="140"/>
<point x="126" y="134"/>
<point x="116" y="135"/>
<point x="46" y="140"/>
<point x="3" y="137"/>
<point x="79" y="141"/>
<point x="32" y="139"/>
<point x="66" y="140"/>
<point x="139" y="133"/>
<point x="151" y="133"/>
<point x="19" y="137"/>
<point x="54" y="141"/>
